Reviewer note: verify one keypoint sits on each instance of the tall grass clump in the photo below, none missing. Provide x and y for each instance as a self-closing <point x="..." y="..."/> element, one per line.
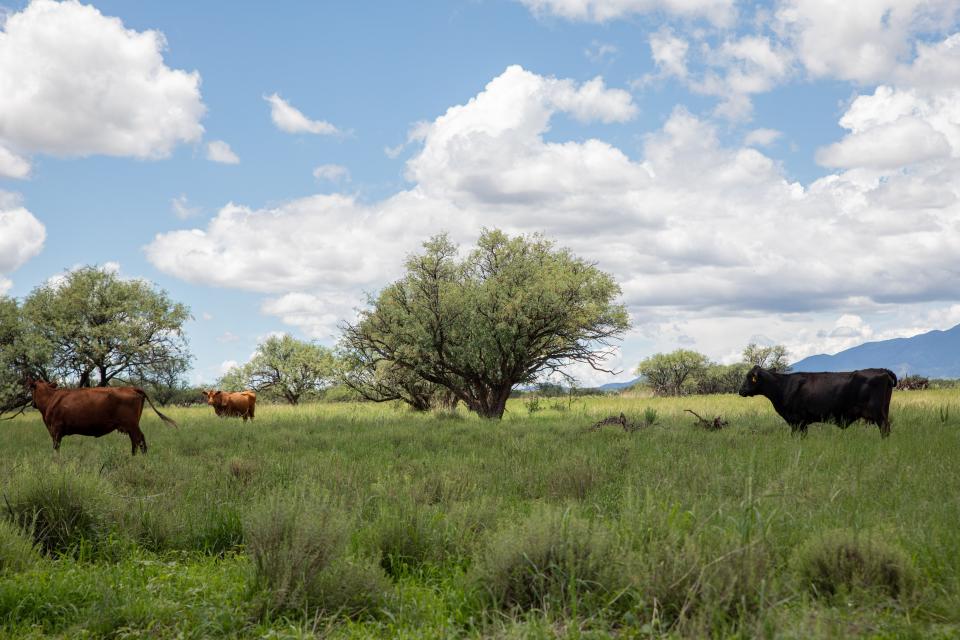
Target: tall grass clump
<point x="704" y="588"/>
<point x="17" y="552"/>
<point x="299" y="550"/>
<point x="695" y="573"/>
<point x="66" y="512"/>
<point x="553" y="561"/>
<point x="843" y="562"/>
<point x="408" y="536"/>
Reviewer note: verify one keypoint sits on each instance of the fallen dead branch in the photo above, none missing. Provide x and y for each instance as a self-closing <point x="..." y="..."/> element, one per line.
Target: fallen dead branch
<point x="620" y="421"/>
<point x="710" y="425"/>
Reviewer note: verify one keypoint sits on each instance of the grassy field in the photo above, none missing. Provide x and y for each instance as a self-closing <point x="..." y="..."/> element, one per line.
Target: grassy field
<point x="357" y="521"/>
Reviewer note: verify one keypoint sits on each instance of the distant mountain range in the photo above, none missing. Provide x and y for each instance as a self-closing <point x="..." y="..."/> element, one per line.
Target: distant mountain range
<point x="617" y="386"/>
<point x="935" y="354"/>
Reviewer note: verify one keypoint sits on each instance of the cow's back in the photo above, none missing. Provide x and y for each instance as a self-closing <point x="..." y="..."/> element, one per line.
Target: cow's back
<point x="239" y="403"/>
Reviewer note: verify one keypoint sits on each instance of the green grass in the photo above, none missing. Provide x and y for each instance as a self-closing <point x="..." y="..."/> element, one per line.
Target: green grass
<point x="360" y="520"/>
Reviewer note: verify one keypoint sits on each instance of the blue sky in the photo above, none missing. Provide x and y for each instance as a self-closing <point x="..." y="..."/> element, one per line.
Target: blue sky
<point x="783" y="171"/>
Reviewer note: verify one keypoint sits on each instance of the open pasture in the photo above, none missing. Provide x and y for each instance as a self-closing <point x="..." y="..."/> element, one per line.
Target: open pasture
<point x="361" y="520"/>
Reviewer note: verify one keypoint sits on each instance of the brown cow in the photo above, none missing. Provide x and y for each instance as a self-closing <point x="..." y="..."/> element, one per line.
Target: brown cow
<point x="92" y="411"/>
<point x="226" y="403"/>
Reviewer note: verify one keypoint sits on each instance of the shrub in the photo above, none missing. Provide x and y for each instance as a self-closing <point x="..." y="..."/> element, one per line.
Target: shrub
<point x="844" y="561"/>
<point x="410" y="536"/>
<point x="216" y="530"/>
<point x="553" y="560"/>
<point x="351" y="587"/>
<point x="63" y="512"/>
<point x="650" y="416"/>
<point x="17" y="552"/>
<point x="697" y="584"/>
<point x="299" y="552"/>
<point x="242" y="469"/>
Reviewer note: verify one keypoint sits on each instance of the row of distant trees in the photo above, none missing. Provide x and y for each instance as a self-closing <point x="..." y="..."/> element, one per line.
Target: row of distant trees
<point x="457" y="327"/>
<point x="684" y="372"/>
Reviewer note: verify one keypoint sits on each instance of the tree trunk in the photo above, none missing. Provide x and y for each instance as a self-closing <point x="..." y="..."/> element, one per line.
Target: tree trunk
<point x="419" y="403"/>
<point x="492" y="404"/>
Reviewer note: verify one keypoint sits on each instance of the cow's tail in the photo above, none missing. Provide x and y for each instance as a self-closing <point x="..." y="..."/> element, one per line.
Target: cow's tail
<point x="892" y="376"/>
<point x="169" y="421"/>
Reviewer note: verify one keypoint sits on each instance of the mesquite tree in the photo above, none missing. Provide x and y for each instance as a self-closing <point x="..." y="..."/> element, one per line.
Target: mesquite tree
<point x="774" y="357"/>
<point x="97" y="327"/>
<point x="510" y="311"/>
<point x="669" y="373"/>
<point x="285" y="367"/>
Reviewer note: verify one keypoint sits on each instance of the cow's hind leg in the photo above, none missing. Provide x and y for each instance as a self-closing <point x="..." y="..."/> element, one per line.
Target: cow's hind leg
<point x="884" y="424"/>
<point x="137" y="441"/>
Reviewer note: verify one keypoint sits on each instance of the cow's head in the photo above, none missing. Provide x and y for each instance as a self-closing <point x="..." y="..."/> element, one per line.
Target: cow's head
<point x="753" y="383"/>
<point x="33" y="384"/>
<point x="215" y="398"/>
<point x="210" y="394"/>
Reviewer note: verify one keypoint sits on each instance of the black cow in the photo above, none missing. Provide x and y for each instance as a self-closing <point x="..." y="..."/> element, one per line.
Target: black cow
<point x="841" y="397"/>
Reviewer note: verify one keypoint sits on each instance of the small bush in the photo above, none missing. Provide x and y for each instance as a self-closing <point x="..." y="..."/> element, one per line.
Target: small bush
<point x="153" y="526"/>
<point x="242" y="470"/>
<point x="16" y="550"/>
<point x="299" y="553"/>
<point x="696" y="584"/>
<point x="844" y="561"/>
<point x="410" y="536"/>
<point x="63" y="512"/>
<point x="553" y="560"/>
<point x="650" y="416"/>
<point x="533" y="404"/>
<point x="217" y="530"/>
<point x="352" y="588"/>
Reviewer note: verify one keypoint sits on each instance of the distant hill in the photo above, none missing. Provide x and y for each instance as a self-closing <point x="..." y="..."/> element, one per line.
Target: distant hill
<point x="935" y="354"/>
<point x="616" y="386"/>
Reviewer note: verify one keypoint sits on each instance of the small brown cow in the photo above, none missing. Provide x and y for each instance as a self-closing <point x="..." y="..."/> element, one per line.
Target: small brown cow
<point x="226" y="404"/>
<point x="92" y="411"/>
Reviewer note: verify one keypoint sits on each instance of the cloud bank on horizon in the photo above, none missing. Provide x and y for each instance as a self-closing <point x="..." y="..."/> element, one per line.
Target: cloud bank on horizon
<point x="710" y="237"/>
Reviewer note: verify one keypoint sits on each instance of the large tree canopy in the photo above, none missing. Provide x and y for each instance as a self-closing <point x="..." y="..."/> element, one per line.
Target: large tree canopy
<point x="381" y="380"/>
<point x="96" y="327"/>
<point x="511" y="310"/>
<point x="12" y="390"/>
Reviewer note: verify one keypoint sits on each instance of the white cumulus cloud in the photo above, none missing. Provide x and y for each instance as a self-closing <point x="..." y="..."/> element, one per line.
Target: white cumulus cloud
<point x="288" y="118"/>
<point x="863" y="41"/>
<point x="692" y="228"/>
<point x="182" y="208"/>
<point x="331" y="172"/>
<point x="761" y="137"/>
<point x="669" y="53"/>
<point x="74" y="82"/>
<point x="220" y="151"/>
<point x="721" y="12"/>
<point x="12" y="165"/>
<point x="21" y="237"/>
